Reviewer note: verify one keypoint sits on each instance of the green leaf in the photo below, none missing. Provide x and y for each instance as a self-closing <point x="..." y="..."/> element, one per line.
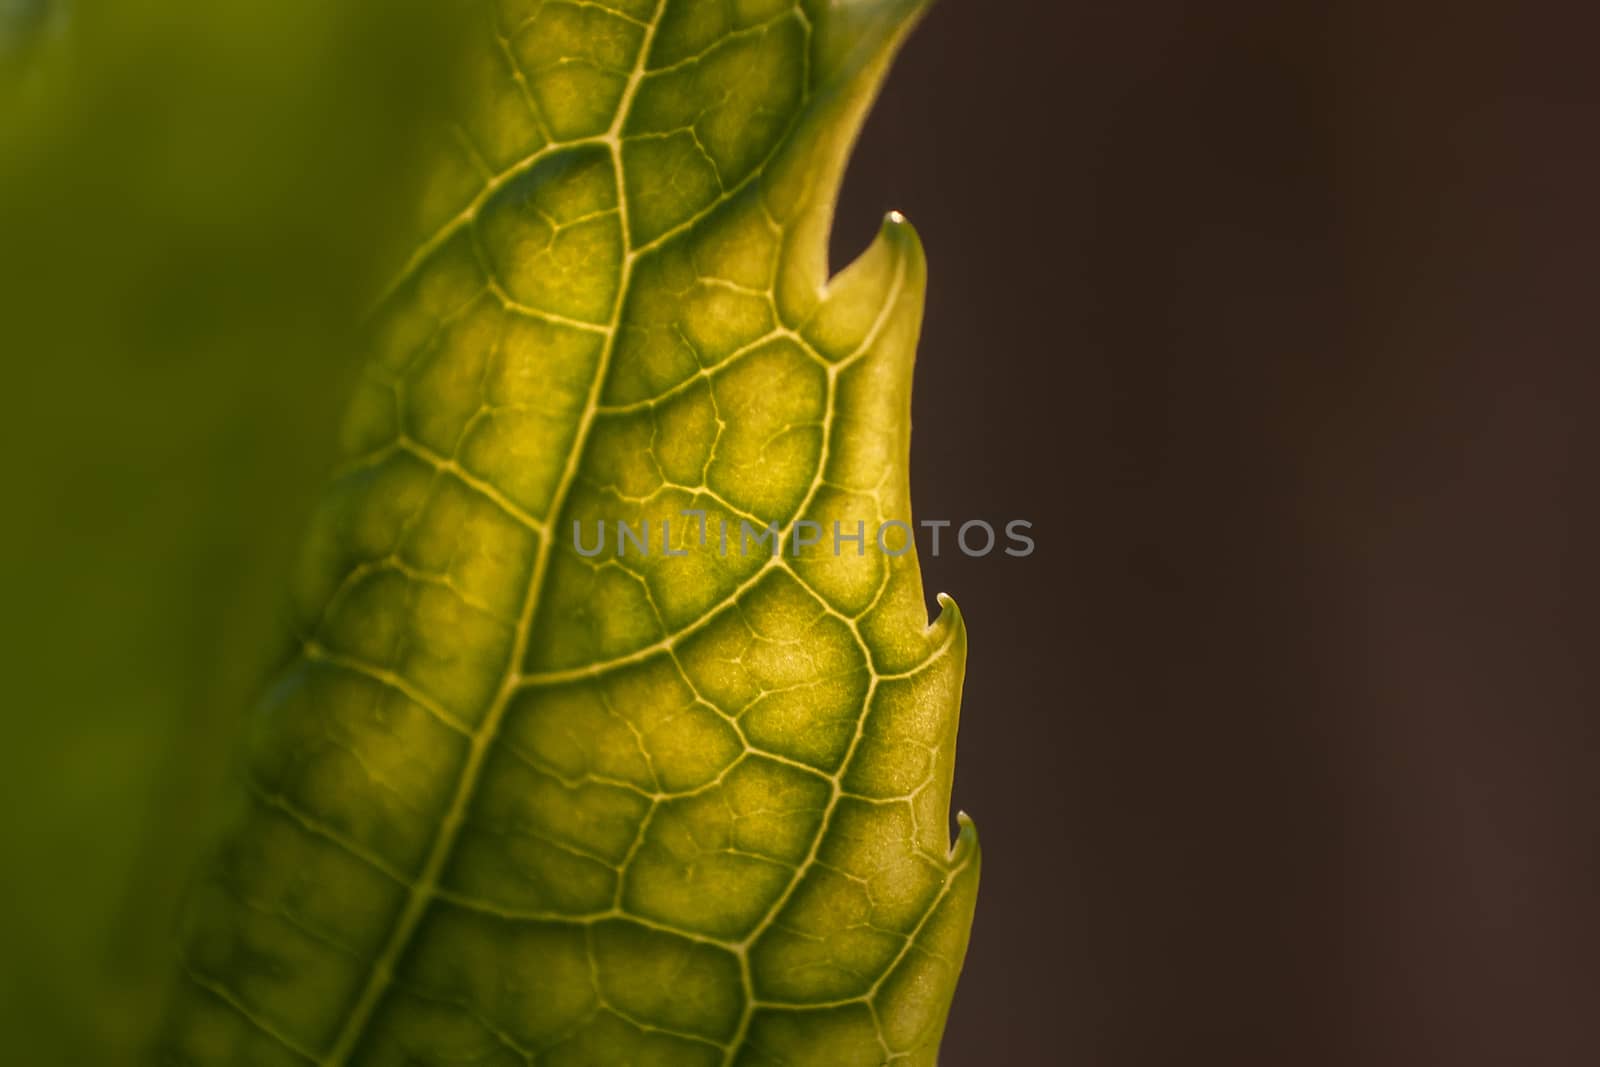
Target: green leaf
<point x="187" y="218"/>
<point x="513" y="804"/>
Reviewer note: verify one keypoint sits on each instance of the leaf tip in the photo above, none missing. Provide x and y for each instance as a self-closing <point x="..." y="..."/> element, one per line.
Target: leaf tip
<point x="949" y="616"/>
<point x="966" y="846"/>
<point x="897" y="232"/>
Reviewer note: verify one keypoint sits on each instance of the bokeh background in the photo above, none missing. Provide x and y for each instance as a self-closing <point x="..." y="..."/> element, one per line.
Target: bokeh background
<point x="193" y="198"/>
<point x="1279" y="322"/>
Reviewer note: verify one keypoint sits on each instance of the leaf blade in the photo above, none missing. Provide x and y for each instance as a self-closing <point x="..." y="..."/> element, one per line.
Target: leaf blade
<point x="660" y="808"/>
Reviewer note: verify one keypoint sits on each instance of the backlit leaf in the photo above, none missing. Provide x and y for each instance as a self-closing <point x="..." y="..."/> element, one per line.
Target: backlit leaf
<point x="681" y="801"/>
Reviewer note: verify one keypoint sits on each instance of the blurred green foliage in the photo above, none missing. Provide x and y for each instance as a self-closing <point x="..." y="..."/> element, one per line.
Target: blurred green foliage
<point x="197" y="200"/>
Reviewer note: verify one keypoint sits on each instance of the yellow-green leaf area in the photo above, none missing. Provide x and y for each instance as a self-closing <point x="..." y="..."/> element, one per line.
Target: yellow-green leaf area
<point x="613" y="734"/>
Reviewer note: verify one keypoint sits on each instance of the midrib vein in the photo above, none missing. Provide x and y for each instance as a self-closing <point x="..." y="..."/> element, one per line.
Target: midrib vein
<point x="424" y="890"/>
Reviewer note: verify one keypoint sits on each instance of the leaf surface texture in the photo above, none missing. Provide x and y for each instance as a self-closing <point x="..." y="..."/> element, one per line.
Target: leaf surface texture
<point x="510" y="804"/>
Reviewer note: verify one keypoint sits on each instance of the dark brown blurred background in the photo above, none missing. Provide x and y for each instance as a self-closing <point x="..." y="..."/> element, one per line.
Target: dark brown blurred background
<point x="1280" y="323"/>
